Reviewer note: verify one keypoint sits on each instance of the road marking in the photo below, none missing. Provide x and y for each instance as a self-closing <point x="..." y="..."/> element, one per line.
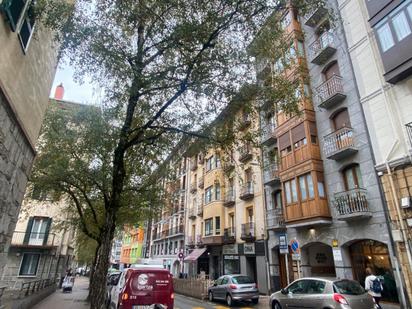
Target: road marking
<point x="221" y="307"/>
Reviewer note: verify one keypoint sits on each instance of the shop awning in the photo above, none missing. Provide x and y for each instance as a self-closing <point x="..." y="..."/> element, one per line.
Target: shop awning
<point x="194" y="255"/>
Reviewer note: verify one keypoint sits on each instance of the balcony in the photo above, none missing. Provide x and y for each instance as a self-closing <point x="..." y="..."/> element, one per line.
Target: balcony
<point x="229" y="236"/>
<point x="192" y="213"/>
<point x="275" y="219"/>
<point x="244" y="121"/>
<point x="39" y="240"/>
<point x="230" y="198"/>
<point x="352" y="205"/>
<point x="201" y="182"/>
<point x="200" y="209"/>
<point x="339" y="144"/>
<point x="246" y="192"/>
<point x="248" y="232"/>
<point x="268" y="134"/>
<point x="193" y="164"/>
<point x="190" y="241"/>
<point x="177" y="230"/>
<point x="323" y="48"/>
<point x="212" y="240"/>
<point x="228" y="166"/>
<point x="409" y="132"/>
<point x="245" y="153"/>
<point x="193" y="187"/>
<point x="199" y="240"/>
<point x="313" y="18"/>
<point x="330" y="92"/>
<point x="271" y="174"/>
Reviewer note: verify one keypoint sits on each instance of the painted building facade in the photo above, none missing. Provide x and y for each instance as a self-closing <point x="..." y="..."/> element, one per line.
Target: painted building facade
<point x="132" y="245"/>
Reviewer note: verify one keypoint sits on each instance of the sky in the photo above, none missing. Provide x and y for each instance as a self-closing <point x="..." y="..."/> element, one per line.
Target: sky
<point x="73" y="90"/>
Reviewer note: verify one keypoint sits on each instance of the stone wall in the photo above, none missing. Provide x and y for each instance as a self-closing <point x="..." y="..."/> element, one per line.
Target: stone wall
<point x="16" y="157"/>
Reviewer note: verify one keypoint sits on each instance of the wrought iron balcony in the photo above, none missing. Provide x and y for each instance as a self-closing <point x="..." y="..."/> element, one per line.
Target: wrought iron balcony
<point x="323" y="48"/>
<point x="314" y="17"/>
<point x="330" y="92"/>
<point x="352" y="205"/>
<point x="245" y="153"/>
<point x="192" y="213"/>
<point x="248" y="232"/>
<point x="229" y="235"/>
<point x="212" y="240"/>
<point x="268" y="134"/>
<point x="201" y="182"/>
<point x="193" y="164"/>
<point x="200" y="209"/>
<point x="339" y="144"/>
<point x="271" y="174"/>
<point x="27" y="239"/>
<point x="275" y="219"/>
<point x="176" y="230"/>
<point x="247" y="192"/>
<point x="409" y="131"/>
<point x="230" y="198"/>
<point x="190" y="241"/>
<point x="228" y="166"/>
<point x="193" y="187"/>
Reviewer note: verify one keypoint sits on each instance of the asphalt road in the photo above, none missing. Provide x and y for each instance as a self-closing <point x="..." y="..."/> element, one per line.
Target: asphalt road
<point x="183" y="302"/>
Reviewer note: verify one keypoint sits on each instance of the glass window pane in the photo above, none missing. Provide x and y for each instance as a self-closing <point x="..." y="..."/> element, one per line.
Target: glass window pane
<point x="350" y="181"/>
<point x="302" y="186"/>
<point x="294" y="190"/>
<point x="400" y="23"/>
<point x="321" y="189"/>
<point x="310" y="186"/>
<point x="410" y="11"/>
<point x="278" y="200"/>
<point x="385" y="37"/>
<point x="359" y="176"/>
<point x="287" y="193"/>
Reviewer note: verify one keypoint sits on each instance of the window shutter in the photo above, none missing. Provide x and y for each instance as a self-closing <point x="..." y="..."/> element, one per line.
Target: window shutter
<point x="46" y="232"/>
<point x="284" y="141"/>
<point x="13" y="10"/>
<point x="312" y="129"/>
<point x="28" y="230"/>
<point x="298" y="133"/>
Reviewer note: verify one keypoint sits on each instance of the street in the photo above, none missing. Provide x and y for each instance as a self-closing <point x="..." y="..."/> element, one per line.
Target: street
<point x="183" y="302"/>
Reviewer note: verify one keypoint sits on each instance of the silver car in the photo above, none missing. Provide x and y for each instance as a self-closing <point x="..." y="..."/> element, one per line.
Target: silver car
<point x="234" y="288"/>
<point x="322" y="293"/>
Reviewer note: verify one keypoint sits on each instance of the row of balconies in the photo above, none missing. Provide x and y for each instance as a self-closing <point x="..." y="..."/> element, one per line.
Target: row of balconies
<point x="176" y="230"/>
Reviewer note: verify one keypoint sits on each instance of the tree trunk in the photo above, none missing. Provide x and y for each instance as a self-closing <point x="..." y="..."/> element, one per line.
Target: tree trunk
<point x="92" y="268"/>
<point x="98" y="285"/>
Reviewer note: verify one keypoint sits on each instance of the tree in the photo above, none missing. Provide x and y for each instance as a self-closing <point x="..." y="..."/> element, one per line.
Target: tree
<point x="167" y="68"/>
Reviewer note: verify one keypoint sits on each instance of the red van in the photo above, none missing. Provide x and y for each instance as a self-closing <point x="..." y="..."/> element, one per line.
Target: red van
<point x="143" y="288"/>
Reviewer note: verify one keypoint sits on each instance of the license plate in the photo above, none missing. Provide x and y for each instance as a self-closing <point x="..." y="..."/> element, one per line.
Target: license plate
<point x="143" y="306"/>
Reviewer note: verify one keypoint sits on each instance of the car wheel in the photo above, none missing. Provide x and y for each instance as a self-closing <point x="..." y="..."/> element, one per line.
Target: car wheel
<point x="255" y="300"/>
<point x="211" y="296"/>
<point x="276" y="305"/>
<point x="229" y="300"/>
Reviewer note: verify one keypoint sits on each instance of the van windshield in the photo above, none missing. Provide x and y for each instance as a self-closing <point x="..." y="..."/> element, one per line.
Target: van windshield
<point x="242" y="280"/>
<point x="349" y="287"/>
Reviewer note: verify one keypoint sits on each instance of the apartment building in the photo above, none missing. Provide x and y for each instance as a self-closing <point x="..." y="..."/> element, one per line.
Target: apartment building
<point x="27" y="69"/>
<point x="379" y="44"/>
<point x="132" y="244"/>
<point x="320" y="182"/>
<point x="225" y="223"/>
<point x="167" y="227"/>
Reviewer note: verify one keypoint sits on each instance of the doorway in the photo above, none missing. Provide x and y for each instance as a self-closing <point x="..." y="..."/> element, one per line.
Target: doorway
<point x="251" y="267"/>
<point x="319" y="258"/>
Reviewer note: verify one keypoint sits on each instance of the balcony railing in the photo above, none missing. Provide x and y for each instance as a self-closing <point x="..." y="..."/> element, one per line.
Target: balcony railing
<point x="193" y="164"/>
<point x="245" y="153"/>
<point x="201" y="182"/>
<point x="228" y="166"/>
<point x="247" y="192"/>
<point x="176" y="230"/>
<point x="190" y="241"/>
<point x="275" y="219"/>
<point x="193" y="187"/>
<point x="33" y="239"/>
<point x="315" y="16"/>
<point x="199" y="240"/>
<point x="330" y="92"/>
<point x="230" y="198"/>
<point x="409" y="131"/>
<point x="339" y="144"/>
<point x="268" y="134"/>
<point x="200" y="209"/>
<point x="323" y="48"/>
<point x="271" y="174"/>
<point x="229" y="235"/>
<point x="192" y="213"/>
<point x="352" y="204"/>
<point x="248" y="232"/>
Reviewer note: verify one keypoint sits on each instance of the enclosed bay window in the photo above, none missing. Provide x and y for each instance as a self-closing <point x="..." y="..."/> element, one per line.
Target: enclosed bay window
<point x="217" y="192"/>
<point x="291" y="192"/>
<point x="209" y="164"/>
<point x="208" y="194"/>
<point x="217" y="225"/>
<point x="209" y="227"/>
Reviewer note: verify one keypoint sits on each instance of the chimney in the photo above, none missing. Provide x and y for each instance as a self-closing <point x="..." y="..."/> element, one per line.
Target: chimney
<point x="58" y="95"/>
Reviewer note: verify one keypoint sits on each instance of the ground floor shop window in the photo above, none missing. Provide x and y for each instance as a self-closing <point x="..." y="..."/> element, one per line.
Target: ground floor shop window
<point x="231" y="264"/>
<point x="29" y="264"/>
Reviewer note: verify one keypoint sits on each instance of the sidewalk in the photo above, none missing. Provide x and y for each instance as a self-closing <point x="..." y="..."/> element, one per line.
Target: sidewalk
<point x="74" y="300"/>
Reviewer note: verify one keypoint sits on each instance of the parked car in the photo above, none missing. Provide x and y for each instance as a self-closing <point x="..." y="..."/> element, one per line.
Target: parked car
<point x="143" y="286"/>
<point x="234" y="288"/>
<point x="322" y="293"/>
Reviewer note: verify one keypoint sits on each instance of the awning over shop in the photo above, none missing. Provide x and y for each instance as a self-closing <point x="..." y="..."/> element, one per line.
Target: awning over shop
<point x="194" y="255"/>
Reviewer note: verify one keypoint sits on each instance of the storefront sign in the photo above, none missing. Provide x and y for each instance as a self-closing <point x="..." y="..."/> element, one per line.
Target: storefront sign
<point x="249" y="248"/>
<point x="231" y="257"/>
<point x="230" y="249"/>
<point x="337" y="255"/>
<point x="283" y="244"/>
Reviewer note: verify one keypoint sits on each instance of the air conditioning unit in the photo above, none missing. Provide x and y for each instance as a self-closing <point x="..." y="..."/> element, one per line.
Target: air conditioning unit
<point x="406" y="202"/>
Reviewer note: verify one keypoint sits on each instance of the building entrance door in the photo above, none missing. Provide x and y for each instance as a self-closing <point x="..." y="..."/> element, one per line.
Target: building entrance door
<point x="251" y="267"/>
<point x="283" y="269"/>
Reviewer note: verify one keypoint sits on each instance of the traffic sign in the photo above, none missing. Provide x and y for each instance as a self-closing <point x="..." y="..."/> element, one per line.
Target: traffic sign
<point x="283" y="244"/>
<point x="180" y="255"/>
<point x="296" y="256"/>
<point x="294" y="246"/>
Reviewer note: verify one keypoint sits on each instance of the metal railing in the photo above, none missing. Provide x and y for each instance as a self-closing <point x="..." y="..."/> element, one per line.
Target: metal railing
<point x="409" y="132"/>
<point x="245" y="152"/>
<point x="31" y="287"/>
<point x="33" y="239"/>
<point x="247" y="189"/>
<point x="200" y="208"/>
<point x="230" y="196"/>
<point x="201" y="182"/>
<point x="2" y="288"/>
<point x="228" y="165"/>
<point x="275" y="218"/>
<point x="193" y="187"/>
<point x="351" y="202"/>
<point x="338" y="141"/>
<point x="248" y="230"/>
<point x="229" y="232"/>
<point x="199" y="240"/>
<point x="193" y="164"/>
<point x="329" y="88"/>
<point x="267" y="132"/>
<point x="190" y="240"/>
<point x="192" y="212"/>
<point x="325" y="40"/>
<point x="271" y="172"/>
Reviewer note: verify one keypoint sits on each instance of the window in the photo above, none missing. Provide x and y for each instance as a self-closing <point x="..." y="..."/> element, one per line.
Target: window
<point x="209" y="163"/>
<point x="13" y="10"/>
<point x="37" y="231"/>
<point x="217" y="192"/>
<point x="298" y="287"/>
<point x="208" y="195"/>
<point x="217" y="225"/>
<point x="315" y="287"/>
<point x="29" y="264"/>
<point x="352" y="177"/>
<point x="208" y="227"/>
<point x="287" y="193"/>
<point x="217" y="161"/>
<point x="294" y="191"/>
<point x="310" y="186"/>
<point x="321" y="189"/>
<point x="409" y="9"/>
<point x="302" y="187"/>
<point x="401" y="26"/>
<point x="385" y="37"/>
<point x="225" y="280"/>
<point x="286" y="20"/>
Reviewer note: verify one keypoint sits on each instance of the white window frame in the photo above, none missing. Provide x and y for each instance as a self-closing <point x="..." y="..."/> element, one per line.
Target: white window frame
<point x="21" y="264"/>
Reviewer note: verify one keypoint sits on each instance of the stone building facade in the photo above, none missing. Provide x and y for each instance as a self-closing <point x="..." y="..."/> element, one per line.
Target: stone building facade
<point x="27" y="68"/>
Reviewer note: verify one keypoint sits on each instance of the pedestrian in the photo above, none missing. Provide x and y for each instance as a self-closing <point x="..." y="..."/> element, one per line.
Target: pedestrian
<point x="374" y="286"/>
